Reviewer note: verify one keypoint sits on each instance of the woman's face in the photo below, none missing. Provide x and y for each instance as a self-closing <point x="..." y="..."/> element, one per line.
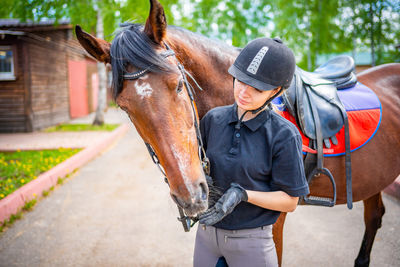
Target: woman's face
<point x="250" y="98"/>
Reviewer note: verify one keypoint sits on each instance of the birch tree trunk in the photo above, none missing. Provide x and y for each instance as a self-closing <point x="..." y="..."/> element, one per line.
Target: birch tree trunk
<point x="353" y="34"/>
<point x="371" y="14"/>
<point x="101" y="68"/>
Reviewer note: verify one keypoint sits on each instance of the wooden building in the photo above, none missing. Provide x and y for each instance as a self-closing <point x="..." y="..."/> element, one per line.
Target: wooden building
<point x="46" y="77"/>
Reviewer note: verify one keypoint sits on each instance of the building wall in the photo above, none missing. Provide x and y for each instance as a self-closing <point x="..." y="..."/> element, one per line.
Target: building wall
<point x="40" y="96"/>
<point x="92" y="84"/>
<point x="49" y="79"/>
<point x="13" y="100"/>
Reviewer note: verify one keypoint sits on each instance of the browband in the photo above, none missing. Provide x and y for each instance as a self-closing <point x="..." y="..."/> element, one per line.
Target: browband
<point x="140" y="73"/>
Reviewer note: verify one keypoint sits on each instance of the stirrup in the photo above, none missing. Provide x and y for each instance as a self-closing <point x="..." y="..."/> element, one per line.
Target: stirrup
<point x="321" y="201"/>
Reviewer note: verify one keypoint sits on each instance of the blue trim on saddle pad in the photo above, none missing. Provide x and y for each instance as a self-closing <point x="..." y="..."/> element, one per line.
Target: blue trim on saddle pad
<point x="369" y="139"/>
<point x="367" y="100"/>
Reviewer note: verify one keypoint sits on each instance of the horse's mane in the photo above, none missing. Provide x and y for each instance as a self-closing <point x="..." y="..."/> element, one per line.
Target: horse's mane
<point x="133" y="47"/>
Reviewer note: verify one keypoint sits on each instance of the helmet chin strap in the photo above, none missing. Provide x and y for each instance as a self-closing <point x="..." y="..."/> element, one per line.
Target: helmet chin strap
<point x="255" y="111"/>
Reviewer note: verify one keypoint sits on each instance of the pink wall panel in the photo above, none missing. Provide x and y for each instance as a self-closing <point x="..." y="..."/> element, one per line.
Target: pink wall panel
<point x="78" y="97"/>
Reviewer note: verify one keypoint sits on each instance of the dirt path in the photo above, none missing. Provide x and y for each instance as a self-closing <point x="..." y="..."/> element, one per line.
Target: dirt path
<point x="116" y="211"/>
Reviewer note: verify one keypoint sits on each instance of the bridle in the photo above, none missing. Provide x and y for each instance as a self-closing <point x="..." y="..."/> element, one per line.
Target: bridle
<point x="184" y="219"/>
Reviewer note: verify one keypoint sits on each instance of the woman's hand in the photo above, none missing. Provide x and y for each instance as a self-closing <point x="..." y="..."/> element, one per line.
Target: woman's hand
<point x="225" y="205"/>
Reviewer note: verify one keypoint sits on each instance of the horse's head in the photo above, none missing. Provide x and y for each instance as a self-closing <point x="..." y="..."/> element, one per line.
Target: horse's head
<point x="157" y="102"/>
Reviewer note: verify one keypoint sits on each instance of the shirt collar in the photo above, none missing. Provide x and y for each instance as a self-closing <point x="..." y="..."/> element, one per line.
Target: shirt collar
<point x="254" y="123"/>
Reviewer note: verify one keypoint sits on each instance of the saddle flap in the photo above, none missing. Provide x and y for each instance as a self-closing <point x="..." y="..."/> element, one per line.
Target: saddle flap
<point x="323" y="95"/>
<point x="327" y="108"/>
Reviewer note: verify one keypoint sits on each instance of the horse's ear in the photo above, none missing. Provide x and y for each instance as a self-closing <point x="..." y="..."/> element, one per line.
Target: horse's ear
<point x="156" y="24"/>
<point x="96" y="47"/>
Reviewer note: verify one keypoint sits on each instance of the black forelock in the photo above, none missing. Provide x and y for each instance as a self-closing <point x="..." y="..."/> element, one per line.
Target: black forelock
<point x="133" y="47"/>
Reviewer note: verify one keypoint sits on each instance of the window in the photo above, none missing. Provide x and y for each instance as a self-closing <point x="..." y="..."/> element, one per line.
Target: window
<point x="6" y="63"/>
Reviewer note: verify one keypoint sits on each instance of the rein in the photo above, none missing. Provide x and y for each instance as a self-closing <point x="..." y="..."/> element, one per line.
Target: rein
<point x="183" y="218"/>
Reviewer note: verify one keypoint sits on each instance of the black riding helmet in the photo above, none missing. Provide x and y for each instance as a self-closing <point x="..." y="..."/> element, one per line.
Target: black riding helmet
<point x="264" y="64"/>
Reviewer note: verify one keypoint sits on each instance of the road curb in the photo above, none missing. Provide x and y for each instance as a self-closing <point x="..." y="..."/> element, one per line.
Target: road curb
<point x="394" y="188"/>
<point x="12" y="203"/>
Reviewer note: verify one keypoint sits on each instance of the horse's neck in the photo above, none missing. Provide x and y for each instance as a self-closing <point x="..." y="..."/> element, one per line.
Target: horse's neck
<point x="208" y="61"/>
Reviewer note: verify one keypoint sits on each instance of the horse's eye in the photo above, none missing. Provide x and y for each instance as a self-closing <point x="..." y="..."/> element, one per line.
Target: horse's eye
<point x="179" y="87"/>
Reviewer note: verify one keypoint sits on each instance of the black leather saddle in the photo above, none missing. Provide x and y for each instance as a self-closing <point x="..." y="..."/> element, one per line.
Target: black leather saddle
<point x="320" y="88"/>
<point x="313" y="100"/>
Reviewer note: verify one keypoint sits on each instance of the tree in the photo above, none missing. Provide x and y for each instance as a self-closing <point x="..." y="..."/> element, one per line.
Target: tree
<point x="376" y="25"/>
<point x="309" y="27"/>
<point x="235" y="21"/>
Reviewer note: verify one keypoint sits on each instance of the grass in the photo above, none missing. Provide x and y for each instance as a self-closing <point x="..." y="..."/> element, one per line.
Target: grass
<point x="21" y="167"/>
<point x="80" y="127"/>
<point x="112" y="104"/>
<point x="29" y="205"/>
<point x="10" y="221"/>
<point x="45" y="193"/>
<point x="14" y="217"/>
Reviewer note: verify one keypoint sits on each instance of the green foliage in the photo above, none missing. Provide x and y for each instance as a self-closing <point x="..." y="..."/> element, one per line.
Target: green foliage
<point x="375" y="25"/>
<point x="84" y="12"/>
<point x="235" y="21"/>
<point x="138" y="11"/>
<point x="21" y="167"/>
<point x="309" y="27"/>
<point x="81" y="127"/>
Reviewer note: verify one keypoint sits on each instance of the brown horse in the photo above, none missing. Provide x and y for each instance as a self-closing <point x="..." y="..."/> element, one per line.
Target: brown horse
<point x="161" y="113"/>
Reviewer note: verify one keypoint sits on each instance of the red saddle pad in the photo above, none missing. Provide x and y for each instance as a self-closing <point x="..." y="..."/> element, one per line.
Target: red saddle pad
<point x="364" y="112"/>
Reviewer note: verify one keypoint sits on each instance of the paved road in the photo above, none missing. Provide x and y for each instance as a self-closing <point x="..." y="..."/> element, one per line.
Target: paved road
<point x="116" y="211"/>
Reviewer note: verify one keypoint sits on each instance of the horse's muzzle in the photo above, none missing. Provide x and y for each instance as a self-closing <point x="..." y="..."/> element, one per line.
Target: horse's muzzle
<point x="196" y="202"/>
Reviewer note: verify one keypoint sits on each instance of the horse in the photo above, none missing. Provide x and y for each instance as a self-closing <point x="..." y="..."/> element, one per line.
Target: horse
<point x="161" y="111"/>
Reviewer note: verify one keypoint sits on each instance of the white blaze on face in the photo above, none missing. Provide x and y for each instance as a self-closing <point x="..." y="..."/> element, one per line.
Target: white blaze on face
<point x="183" y="164"/>
<point x="143" y="88"/>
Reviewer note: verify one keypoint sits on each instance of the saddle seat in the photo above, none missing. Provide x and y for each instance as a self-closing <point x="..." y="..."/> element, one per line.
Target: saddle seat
<point x="336" y="67"/>
<point x="339" y="70"/>
<point x="320" y="89"/>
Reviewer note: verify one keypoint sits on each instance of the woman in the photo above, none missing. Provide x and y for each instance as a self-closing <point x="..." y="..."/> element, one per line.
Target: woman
<point x="256" y="160"/>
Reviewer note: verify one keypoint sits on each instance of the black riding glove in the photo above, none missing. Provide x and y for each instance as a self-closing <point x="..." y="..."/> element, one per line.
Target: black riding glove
<point x="225" y="205"/>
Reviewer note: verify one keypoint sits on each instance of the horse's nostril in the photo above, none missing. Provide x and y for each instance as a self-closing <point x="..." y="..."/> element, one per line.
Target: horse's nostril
<point x="204" y="191"/>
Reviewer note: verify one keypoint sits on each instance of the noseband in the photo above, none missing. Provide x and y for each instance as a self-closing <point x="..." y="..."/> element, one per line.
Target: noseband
<point x="184" y="219"/>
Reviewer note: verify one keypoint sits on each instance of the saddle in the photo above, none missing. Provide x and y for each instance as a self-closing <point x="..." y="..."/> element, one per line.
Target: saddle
<point x="313" y="100"/>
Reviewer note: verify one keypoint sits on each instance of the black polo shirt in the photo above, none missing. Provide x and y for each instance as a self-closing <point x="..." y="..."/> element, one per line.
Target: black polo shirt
<point x="265" y="154"/>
